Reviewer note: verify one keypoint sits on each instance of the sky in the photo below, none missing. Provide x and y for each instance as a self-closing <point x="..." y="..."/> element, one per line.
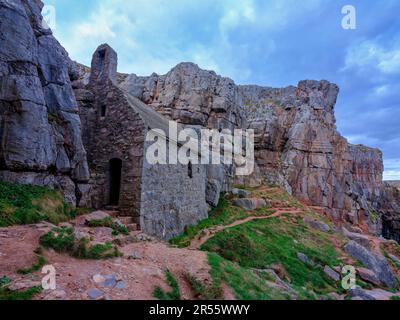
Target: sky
<point x="266" y="42"/>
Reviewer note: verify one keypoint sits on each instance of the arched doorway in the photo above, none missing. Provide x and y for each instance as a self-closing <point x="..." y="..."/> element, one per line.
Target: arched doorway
<point x="115" y="181"/>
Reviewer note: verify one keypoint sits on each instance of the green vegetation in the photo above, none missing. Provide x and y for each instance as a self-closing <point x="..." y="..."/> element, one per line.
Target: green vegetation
<point x="109" y="223"/>
<point x="260" y="244"/>
<point x="40" y="262"/>
<point x="246" y="284"/>
<point x="8" y="295"/>
<point x="395" y="298"/>
<point x="63" y="240"/>
<point x="96" y="252"/>
<point x="174" y="294"/>
<point x="25" y="204"/>
<point x="204" y="291"/>
<point x="224" y="214"/>
<point x="4" y="281"/>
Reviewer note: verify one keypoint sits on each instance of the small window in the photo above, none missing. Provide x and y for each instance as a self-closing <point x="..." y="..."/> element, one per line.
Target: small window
<point x="103" y="111"/>
<point x="190" y="170"/>
<point x="102" y="54"/>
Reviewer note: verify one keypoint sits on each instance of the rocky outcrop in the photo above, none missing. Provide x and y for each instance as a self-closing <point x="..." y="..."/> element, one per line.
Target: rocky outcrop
<point x="297" y="144"/>
<point x="190" y="95"/>
<point x="389" y="209"/>
<point x="299" y="148"/>
<point x="377" y="263"/>
<point x="40" y="130"/>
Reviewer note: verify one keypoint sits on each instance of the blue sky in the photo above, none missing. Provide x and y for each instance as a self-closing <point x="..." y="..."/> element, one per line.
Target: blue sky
<point x="266" y="42"/>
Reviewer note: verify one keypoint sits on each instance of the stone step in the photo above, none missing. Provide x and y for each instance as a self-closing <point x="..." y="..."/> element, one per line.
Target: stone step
<point x="125" y="220"/>
<point x="111" y="208"/>
<point x="133" y="227"/>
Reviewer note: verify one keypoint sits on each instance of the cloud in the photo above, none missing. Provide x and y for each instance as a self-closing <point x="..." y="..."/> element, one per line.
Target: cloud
<point x="369" y="54"/>
<point x="272" y="43"/>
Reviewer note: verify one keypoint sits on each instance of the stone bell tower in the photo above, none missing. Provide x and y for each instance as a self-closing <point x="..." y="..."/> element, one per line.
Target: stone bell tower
<point x="104" y="65"/>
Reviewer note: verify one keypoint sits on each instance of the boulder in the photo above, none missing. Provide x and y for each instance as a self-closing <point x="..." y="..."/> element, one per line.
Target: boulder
<point x="305" y="259"/>
<point x="241" y="193"/>
<point x="250" y="203"/>
<point x="331" y="273"/>
<point x="375" y="294"/>
<point x="95" y="294"/>
<point x="213" y="191"/>
<point x="377" y="263"/>
<point x="95" y="216"/>
<point x="368" y="276"/>
<point x="357" y="237"/>
<point x="318" y="225"/>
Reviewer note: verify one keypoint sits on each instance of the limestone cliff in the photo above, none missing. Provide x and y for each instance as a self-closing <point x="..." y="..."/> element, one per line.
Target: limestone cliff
<point x="297" y="144"/>
<point x="40" y="129"/>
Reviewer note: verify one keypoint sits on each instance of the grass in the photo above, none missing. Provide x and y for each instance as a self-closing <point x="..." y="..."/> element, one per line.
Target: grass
<point x="246" y="284"/>
<point x="261" y="243"/>
<point x="26" y="204"/>
<point x="63" y="240"/>
<point x="224" y="214"/>
<point x="4" y="281"/>
<point x="174" y="294"/>
<point x="109" y="223"/>
<point x="203" y="291"/>
<point x="40" y="262"/>
<point x="8" y="295"/>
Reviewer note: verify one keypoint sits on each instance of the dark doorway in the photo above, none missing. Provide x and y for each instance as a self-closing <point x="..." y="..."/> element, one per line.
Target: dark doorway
<point x="115" y="181"/>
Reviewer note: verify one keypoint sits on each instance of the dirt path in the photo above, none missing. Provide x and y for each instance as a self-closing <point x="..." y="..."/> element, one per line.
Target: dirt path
<point x="206" y="234"/>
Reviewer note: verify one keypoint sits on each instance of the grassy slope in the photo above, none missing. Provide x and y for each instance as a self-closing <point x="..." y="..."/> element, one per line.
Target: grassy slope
<point x="25" y="204"/>
<point x="235" y="253"/>
<point x="224" y="214"/>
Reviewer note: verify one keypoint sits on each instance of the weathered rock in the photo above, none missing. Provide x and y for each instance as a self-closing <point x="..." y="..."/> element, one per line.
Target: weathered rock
<point x="241" y="193"/>
<point x="389" y="207"/>
<point x="331" y="273"/>
<point x="298" y="148"/>
<point x="96" y="216"/>
<point x="368" y="276"/>
<point x="357" y="237"/>
<point x="378" y="264"/>
<point x="305" y="259"/>
<point x="319" y="225"/>
<point x="40" y="132"/>
<point x="376" y="294"/>
<point x="23" y="284"/>
<point x="95" y="294"/>
<point x="250" y="204"/>
<point x="190" y="95"/>
<point x="213" y="191"/>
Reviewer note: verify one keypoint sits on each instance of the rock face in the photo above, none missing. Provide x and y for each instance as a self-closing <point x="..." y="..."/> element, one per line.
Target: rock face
<point x="389" y="208"/>
<point x="40" y="129"/>
<point x="190" y="95"/>
<point x="297" y="144"/>
<point x="298" y="147"/>
<point x="377" y="263"/>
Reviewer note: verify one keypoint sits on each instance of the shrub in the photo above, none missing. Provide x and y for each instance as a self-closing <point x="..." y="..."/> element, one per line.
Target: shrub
<point x="63" y="240"/>
<point x="174" y="294"/>
<point x="109" y="223"/>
